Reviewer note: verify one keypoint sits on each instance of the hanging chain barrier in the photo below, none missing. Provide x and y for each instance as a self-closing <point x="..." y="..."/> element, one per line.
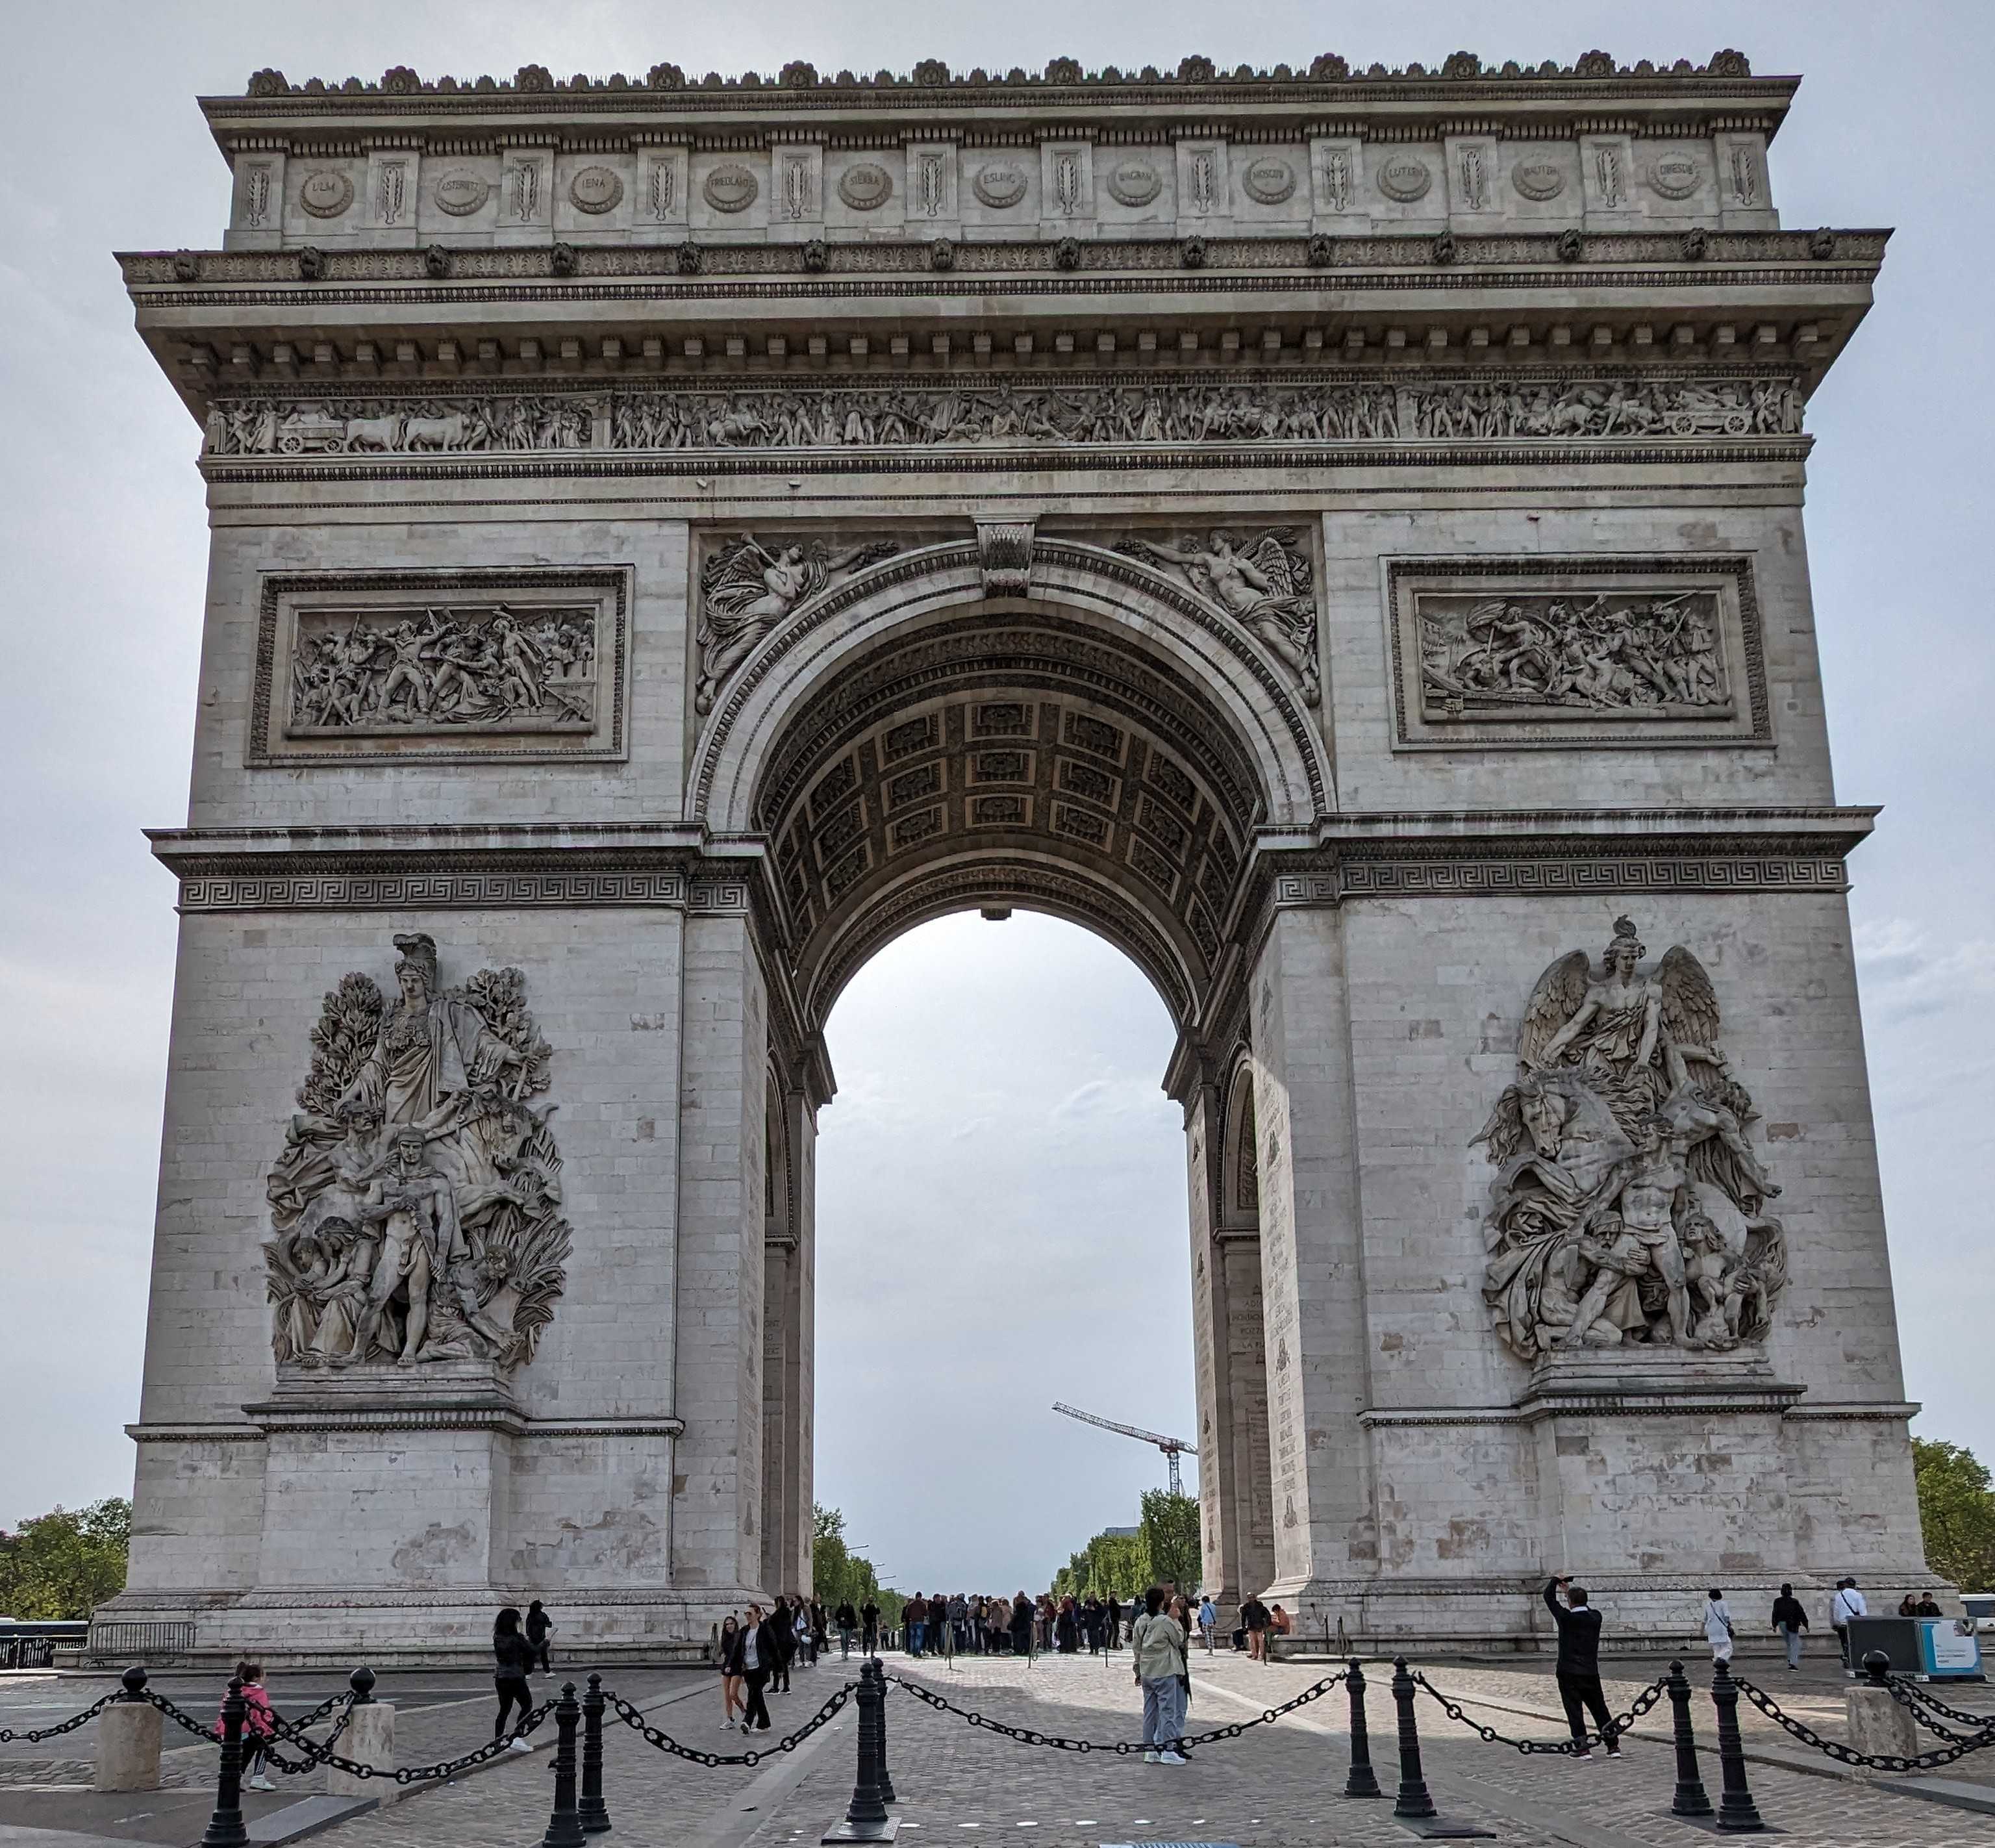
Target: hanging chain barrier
<point x="1029" y="1736"/>
<point x="664" y="1742"/>
<point x="1912" y="1693"/>
<point x="1560" y="1748"/>
<point x="321" y="1752"/>
<point x="8" y="1735"/>
<point x="1843" y="1754"/>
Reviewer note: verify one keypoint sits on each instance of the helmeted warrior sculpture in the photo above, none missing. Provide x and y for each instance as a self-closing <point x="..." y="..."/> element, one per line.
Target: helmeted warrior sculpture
<point x="1628" y="1205"/>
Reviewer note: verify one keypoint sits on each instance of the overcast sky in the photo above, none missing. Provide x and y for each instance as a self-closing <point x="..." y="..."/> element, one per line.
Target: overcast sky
<point x="1002" y="1216"/>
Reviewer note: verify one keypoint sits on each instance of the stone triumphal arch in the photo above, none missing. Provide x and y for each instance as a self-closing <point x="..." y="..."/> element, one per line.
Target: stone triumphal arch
<point x="1336" y="534"/>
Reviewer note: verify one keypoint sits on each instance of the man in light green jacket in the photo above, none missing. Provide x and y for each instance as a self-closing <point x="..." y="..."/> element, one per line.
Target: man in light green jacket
<point x="1162" y="1671"/>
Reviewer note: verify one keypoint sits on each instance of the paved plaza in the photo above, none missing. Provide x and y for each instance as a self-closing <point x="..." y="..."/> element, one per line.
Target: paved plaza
<point x="1273" y="1785"/>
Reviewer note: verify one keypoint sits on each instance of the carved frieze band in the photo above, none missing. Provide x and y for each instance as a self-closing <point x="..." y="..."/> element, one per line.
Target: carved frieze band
<point x="1550" y="876"/>
<point x="984" y="411"/>
<point x="218" y="889"/>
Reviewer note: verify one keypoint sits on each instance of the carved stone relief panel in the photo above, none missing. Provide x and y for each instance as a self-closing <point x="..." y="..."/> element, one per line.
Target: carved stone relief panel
<point x="1474" y="176"/>
<point x="1066" y="182"/>
<point x="1629" y="1208"/>
<point x="1337" y="175"/>
<point x="662" y="187"/>
<point x="415" y="1210"/>
<point x="1554" y="652"/>
<point x="469" y="664"/>
<point x="1205" y="186"/>
<point x="1607" y="174"/>
<point x="929" y="180"/>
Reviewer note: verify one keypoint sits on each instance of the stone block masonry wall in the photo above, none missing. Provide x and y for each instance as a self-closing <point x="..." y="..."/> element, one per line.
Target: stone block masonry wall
<point x="386" y="535"/>
<point x="717" y="1542"/>
<point x="1312" y="1255"/>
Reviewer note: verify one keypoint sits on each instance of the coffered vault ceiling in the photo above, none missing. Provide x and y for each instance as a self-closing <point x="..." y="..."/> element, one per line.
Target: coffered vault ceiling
<point x="1015" y="757"/>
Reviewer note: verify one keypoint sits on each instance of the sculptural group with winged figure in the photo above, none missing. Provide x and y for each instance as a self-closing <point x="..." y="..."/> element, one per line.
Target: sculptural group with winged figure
<point x="1629" y="1206"/>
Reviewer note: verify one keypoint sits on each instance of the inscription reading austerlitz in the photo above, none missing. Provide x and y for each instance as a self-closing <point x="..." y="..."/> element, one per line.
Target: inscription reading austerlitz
<point x="481" y="668"/>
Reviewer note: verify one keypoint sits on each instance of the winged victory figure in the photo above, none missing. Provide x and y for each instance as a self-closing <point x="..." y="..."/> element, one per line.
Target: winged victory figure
<point x="746" y="590"/>
<point x="1628" y="1204"/>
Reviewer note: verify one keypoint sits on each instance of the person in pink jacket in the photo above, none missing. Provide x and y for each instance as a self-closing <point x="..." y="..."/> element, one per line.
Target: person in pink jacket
<point x="257" y="1726"/>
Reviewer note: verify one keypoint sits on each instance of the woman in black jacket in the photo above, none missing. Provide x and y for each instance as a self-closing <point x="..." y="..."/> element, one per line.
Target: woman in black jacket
<point x="513" y="1658"/>
<point x="751" y="1654"/>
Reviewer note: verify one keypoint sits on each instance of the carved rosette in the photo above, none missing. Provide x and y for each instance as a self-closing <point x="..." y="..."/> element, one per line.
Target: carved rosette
<point x="415" y="1209"/>
<point x="1628" y="1208"/>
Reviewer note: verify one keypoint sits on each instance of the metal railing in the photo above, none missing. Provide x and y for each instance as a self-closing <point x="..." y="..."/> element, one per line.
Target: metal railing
<point x="127" y="1639"/>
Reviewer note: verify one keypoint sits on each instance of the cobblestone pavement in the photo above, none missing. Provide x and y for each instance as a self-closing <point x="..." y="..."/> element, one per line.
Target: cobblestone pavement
<point x="1273" y="1787"/>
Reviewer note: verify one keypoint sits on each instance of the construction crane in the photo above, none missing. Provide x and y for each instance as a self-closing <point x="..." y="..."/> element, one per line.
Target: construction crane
<point x="1172" y="1448"/>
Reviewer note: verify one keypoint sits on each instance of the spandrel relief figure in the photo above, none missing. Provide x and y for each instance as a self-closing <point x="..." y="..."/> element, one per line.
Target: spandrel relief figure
<point x="1263" y="583"/>
<point x="1628" y="1205"/>
<point x="747" y="588"/>
<point x="1638" y="655"/>
<point x="414" y="1211"/>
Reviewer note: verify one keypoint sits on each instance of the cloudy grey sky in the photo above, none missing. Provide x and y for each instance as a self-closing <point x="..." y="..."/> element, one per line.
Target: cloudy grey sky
<point x="1002" y="1219"/>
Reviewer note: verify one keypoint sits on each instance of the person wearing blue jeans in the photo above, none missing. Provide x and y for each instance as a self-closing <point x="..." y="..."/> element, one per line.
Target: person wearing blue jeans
<point x="1159" y="1640"/>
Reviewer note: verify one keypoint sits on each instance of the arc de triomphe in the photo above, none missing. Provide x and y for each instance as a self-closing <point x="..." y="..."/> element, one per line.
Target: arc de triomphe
<point x="1337" y="534"/>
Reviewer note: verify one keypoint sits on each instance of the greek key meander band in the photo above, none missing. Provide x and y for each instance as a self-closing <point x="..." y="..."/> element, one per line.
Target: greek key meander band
<point x="1548" y="877"/>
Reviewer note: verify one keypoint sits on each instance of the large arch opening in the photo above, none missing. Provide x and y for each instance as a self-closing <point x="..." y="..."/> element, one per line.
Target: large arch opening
<point x="934" y="754"/>
<point x="1001" y="1223"/>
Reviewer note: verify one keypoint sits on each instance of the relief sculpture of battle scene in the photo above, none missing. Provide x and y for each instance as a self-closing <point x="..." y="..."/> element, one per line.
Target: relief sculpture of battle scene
<point x="415" y="1209"/>
<point x="1628" y="1207"/>
<point x="488" y="668"/>
<point x="1633" y="655"/>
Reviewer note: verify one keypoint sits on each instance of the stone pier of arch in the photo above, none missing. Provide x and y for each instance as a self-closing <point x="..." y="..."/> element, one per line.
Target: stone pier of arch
<point x="1357" y="574"/>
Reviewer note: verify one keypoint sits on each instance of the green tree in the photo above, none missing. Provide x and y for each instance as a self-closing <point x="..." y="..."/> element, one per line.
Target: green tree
<point x="1169" y="1534"/>
<point x="60" y="1566"/>
<point x="1956" y="1513"/>
<point x="840" y="1576"/>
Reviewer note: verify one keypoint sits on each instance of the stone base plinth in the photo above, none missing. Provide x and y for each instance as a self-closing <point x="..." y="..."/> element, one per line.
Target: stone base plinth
<point x="1879" y="1725"/>
<point x="369" y="1740"/>
<point x="328" y="1627"/>
<point x="128" y="1747"/>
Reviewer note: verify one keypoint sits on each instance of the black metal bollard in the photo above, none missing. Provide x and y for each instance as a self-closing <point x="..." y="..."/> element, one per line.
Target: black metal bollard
<point x="1363" y="1781"/>
<point x="1689" y="1799"/>
<point x="886" y="1777"/>
<point x="1737" y="1813"/>
<point x="594" y="1812"/>
<point x="866" y="1817"/>
<point x="362" y="1682"/>
<point x="225" y="1827"/>
<point x="1413" y="1799"/>
<point x="564" y="1822"/>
